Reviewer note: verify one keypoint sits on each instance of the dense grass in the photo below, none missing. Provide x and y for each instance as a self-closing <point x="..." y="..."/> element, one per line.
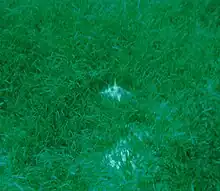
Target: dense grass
<point x="58" y="133"/>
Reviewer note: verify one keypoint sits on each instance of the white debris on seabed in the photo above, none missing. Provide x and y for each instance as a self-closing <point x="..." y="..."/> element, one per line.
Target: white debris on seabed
<point x="128" y="160"/>
<point x="124" y="154"/>
<point x="120" y="156"/>
<point x="115" y="92"/>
